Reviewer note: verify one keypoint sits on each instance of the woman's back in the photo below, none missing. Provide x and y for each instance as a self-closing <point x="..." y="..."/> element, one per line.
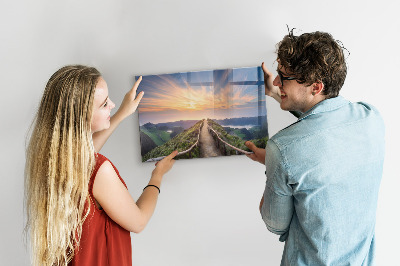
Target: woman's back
<point x="103" y="242"/>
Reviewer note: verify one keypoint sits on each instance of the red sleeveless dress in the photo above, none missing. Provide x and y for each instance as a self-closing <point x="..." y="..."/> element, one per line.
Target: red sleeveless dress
<point x="103" y="241"/>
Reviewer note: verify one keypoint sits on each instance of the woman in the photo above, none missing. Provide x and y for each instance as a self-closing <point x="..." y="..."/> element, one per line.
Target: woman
<point x="78" y="207"/>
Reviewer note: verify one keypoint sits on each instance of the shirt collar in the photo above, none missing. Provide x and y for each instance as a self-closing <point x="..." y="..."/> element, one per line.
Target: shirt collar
<point x="325" y="106"/>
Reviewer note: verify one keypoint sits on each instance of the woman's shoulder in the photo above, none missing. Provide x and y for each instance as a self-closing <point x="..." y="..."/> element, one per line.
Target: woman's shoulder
<point x="102" y="164"/>
<point x="99" y="161"/>
<point x="105" y="167"/>
<point x="100" y="158"/>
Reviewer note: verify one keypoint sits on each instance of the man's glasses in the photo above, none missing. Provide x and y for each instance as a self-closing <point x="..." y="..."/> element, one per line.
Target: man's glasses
<point x="282" y="78"/>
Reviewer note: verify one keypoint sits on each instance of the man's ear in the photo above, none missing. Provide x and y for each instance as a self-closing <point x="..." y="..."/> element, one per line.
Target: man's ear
<point x="317" y="88"/>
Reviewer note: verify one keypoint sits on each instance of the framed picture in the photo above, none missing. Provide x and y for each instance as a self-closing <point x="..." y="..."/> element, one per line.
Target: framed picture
<point x="203" y="113"/>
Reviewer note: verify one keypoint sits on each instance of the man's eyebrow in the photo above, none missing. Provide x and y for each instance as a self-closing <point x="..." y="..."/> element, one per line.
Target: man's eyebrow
<point x="283" y="74"/>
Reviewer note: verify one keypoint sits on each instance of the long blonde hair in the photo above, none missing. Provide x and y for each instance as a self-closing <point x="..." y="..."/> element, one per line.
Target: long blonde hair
<point x="59" y="161"/>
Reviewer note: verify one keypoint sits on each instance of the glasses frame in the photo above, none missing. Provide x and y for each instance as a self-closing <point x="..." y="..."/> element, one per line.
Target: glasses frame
<point x="282" y="78"/>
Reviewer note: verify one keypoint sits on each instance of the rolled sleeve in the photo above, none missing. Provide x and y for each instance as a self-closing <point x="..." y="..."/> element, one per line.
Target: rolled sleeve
<point x="277" y="208"/>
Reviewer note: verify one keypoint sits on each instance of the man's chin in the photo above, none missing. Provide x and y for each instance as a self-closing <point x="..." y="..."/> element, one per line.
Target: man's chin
<point x="285" y="108"/>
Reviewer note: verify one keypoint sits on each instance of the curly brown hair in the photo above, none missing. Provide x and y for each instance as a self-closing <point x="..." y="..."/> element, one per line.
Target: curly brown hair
<point x="314" y="57"/>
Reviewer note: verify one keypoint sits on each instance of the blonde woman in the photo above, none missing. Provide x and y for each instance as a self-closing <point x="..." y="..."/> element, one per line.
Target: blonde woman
<point x="79" y="211"/>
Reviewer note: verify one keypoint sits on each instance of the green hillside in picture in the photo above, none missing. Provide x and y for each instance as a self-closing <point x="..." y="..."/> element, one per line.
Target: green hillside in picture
<point x="158" y="136"/>
<point x="180" y="142"/>
<point x="237" y="137"/>
<point x="211" y="138"/>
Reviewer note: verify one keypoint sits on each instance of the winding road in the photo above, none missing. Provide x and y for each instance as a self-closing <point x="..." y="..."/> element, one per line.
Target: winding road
<point x="208" y="147"/>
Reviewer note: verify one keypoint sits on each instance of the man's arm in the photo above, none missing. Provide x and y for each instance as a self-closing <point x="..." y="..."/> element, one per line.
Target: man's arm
<point x="274" y="91"/>
<point x="276" y="211"/>
<point x="128" y="107"/>
<point x="276" y="206"/>
<point x="270" y="89"/>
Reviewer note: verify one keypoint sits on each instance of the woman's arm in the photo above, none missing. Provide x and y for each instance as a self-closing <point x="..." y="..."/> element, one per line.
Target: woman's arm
<point x="128" y="107"/>
<point x="116" y="201"/>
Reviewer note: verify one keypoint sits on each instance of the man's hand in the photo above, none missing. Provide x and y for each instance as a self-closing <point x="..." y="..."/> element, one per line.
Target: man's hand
<point x="270" y="89"/>
<point x="258" y="155"/>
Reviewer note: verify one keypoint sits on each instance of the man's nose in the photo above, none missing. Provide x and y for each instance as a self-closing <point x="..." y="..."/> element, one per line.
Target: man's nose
<point x="277" y="81"/>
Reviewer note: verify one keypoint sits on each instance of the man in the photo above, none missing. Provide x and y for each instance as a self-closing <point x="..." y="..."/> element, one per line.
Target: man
<point x="323" y="171"/>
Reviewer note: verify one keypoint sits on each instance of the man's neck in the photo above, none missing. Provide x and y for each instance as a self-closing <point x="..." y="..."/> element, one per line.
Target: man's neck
<point x="316" y="100"/>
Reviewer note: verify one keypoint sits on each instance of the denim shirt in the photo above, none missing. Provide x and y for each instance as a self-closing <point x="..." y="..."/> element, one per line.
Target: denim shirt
<point x="323" y="175"/>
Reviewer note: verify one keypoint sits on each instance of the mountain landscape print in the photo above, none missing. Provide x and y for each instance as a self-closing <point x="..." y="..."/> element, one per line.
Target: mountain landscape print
<point x="202" y="114"/>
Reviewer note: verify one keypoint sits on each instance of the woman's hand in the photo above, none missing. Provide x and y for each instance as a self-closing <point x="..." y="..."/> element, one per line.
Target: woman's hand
<point x="270" y="89"/>
<point x="131" y="101"/>
<point x="163" y="166"/>
<point x="128" y="107"/>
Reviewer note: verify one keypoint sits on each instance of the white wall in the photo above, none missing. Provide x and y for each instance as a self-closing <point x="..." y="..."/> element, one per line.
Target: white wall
<point x="208" y="208"/>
